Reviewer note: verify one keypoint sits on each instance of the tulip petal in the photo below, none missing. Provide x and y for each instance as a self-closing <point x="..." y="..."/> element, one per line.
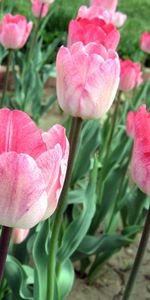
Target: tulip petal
<point x="22" y="191"/>
<point x="50" y="164"/>
<point x="56" y="135"/>
<point x="19" y="133"/>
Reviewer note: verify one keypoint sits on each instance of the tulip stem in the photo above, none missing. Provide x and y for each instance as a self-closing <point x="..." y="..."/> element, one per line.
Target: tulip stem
<point x="4" y="244"/>
<point x="138" y="258"/>
<point x="1" y="8"/>
<point x="106" y="159"/>
<point x="73" y="139"/>
<point x="35" y="33"/>
<point x="109" y="142"/>
<point x="9" y="58"/>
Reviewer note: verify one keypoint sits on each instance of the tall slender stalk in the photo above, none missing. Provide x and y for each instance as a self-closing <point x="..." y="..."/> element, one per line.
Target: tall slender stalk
<point x="35" y="33"/>
<point x="1" y="8"/>
<point x="4" y="244"/>
<point x="138" y="258"/>
<point x="109" y="142"/>
<point x="9" y="58"/>
<point x="101" y="181"/>
<point x="73" y="139"/>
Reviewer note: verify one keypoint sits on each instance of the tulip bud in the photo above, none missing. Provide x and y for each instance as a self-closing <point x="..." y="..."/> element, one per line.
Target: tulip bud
<point x="145" y="42"/>
<point x="93" y="30"/>
<point x="33" y="165"/>
<point x="87" y="79"/>
<point x="39" y="8"/>
<point x="14" y="31"/>
<point x="138" y="126"/>
<point x="130" y="75"/>
<point x="106" y="4"/>
<point x="20" y="235"/>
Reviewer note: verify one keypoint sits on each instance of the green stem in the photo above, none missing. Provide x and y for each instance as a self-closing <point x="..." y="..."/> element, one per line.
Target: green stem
<point x="138" y="258"/>
<point x="109" y="142"/>
<point x="73" y="139"/>
<point x="2" y="102"/>
<point x="118" y="195"/>
<point x="101" y="181"/>
<point x="35" y="33"/>
<point x="1" y="8"/>
<point x="4" y="244"/>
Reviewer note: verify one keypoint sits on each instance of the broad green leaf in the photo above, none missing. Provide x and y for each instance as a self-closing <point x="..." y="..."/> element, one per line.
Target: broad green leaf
<point x="40" y="258"/>
<point x="17" y="278"/>
<point x="105" y="243"/>
<point x="78" y="227"/>
<point x="65" y="279"/>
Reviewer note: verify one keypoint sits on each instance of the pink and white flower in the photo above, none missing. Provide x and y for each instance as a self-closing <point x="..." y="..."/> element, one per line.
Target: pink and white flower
<point x="33" y="165"/>
<point x="87" y="79"/>
<point x="138" y="127"/>
<point x="14" y="31"/>
<point x="130" y="75"/>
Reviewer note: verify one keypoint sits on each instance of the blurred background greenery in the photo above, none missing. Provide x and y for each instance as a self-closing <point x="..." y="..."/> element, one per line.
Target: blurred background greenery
<point x="62" y="11"/>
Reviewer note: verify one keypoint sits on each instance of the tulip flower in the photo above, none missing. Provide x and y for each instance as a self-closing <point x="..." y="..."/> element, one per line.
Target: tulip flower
<point x="47" y="1"/>
<point x="32" y="169"/>
<point x="14" y="31"/>
<point x="106" y="4"/>
<point x="87" y="79"/>
<point x="39" y="8"/>
<point x="145" y="42"/>
<point x="93" y="30"/>
<point x="116" y="18"/>
<point x="138" y="127"/>
<point x="19" y="235"/>
<point x="130" y="75"/>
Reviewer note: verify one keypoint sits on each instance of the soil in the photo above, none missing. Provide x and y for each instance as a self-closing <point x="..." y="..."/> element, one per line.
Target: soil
<point x="113" y="276"/>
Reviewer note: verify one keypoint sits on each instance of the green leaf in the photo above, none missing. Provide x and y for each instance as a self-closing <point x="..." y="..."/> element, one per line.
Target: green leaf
<point x="102" y="244"/>
<point x="78" y="227"/>
<point x="44" y="108"/>
<point x="89" y="141"/>
<point x="40" y="257"/>
<point x="17" y="278"/>
<point x="65" y="279"/>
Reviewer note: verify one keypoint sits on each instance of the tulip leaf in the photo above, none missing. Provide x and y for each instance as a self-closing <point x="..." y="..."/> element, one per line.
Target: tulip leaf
<point x="102" y="244"/>
<point x="17" y="278"/>
<point x="65" y="279"/>
<point x="40" y="258"/>
<point x="89" y="141"/>
<point x="78" y="227"/>
<point x="111" y="187"/>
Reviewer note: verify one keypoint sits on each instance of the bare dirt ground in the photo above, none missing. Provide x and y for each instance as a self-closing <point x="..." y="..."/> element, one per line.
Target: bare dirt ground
<point x="113" y="277"/>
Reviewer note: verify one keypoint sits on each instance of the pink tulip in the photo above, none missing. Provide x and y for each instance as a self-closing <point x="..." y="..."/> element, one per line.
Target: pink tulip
<point x="87" y="79"/>
<point x="39" y="8"/>
<point x="93" y="30"/>
<point x="32" y="169"/>
<point x="116" y="18"/>
<point x="47" y="1"/>
<point x="145" y="42"/>
<point x="14" y="31"/>
<point x="138" y="124"/>
<point x="19" y="235"/>
<point x="130" y="75"/>
<point x="93" y="12"/>
<point x="106" y="4"/>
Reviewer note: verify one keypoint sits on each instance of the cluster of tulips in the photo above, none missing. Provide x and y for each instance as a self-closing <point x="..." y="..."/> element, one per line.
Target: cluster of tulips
<point x="36" y="166"/>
